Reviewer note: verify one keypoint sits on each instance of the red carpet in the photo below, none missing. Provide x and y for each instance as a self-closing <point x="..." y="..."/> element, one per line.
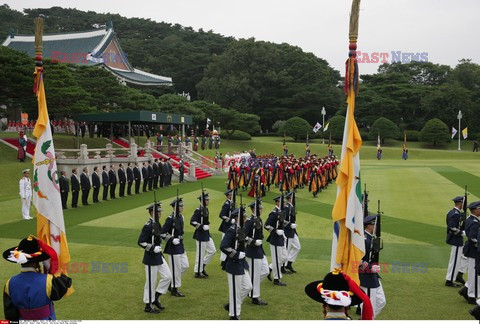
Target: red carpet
<point x="14" y="142"/>
<point x="199" y="174"/>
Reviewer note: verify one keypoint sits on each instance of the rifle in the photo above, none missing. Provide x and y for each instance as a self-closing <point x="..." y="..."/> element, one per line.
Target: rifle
<point x="257" y="225"/>
<point x="177" y="222"/>
<point x="156" y="222"/>
<point x="204" y="215"/>
<point x="365" y="201"/>
<point x="293" y="217"/>
<point x="377" y="244"/>
<point x="240" y="228"/>
<point x="281" y="215"/>
<point x="463" y="217"/>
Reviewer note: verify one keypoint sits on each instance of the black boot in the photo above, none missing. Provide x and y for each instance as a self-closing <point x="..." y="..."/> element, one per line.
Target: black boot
<point x="150" y="309"/>
<point x="289" y="267"/>
<point x="448" y="283"/>
<point x="277" y="282"/>
<point x="459" y="278"/>
<point x="475" y="312"/>
<point x="464" y="293"/>
<point x="258" y="301"/>
<point x="176" y="293"/>
<point x="472" y="301"/>
<point x="234" y="317"/>
<point x="222" y="264"/>
<point x="157" y="301"/>
<point x="200" y="275"/>
<point x="204" y="272"/>
<point x="226" y="306"/>
<point x="269" y="277"/>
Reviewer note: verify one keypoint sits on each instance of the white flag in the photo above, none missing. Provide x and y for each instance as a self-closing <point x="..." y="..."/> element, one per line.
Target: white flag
<point x="326" y="127"/>
<point x="454" y="132"/>
<point x="317" y="127"/>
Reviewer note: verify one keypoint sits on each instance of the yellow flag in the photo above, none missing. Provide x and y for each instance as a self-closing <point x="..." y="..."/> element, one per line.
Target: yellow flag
<point x="465" y="133"/>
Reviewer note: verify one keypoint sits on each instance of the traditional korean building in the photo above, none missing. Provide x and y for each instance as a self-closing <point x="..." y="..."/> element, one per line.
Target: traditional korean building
<point x="98" y="47"/>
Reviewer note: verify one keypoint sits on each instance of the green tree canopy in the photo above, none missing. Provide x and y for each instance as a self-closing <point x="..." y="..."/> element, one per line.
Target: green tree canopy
<point x="335" y="127"/>
<point x="435" y="131"/>
<point x="385" y="127"/>
<point x="296" y="127"/>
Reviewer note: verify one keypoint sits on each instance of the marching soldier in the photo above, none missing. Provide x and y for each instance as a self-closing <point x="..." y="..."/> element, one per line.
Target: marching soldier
<point x="75" y="187"/>
<point x="455" y="239"/>
<point x="95" y="184"/>
<point x="225" y="217"/>
<point x="85" y="185"/>
<point x="472" y="224"/>
<point x="64" y="188"/>
<point x="137" y="176"/>
<point x="172" y="233"/>
<point x="105" y="182"/>
<point x="25" y="191"/>
<point x="29" y="295"/>
<point x="154" y="261"/>
<point x="274" y="225"/>
<point x="130" y="178"/>
<point x="256" y="259"/>
<point x="122" y="179"/>
<point x="205" y="246"/>
<point x="368" y="272"/>
<point x="292" y="243"/>
<point x="239" y="282"/>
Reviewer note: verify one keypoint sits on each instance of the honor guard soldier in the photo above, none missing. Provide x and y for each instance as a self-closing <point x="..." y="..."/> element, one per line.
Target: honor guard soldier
<point x="239" y="282"/>
<point x="455" y="239"/>
<point x="256" y="259"/>
<point x="172" y="234"/>
<point x="338" y="292"/>
<point x="368" y="271"/>
<point x="205" y="247"/>
<point x="154" y="261"/>
<point x="25" y="191"/>
<point x="472" y="225"/>
<point x="274" y="225"/>
<point x="292" y="243"/>
<point x="224" y="215"/>
<point x="30" y="294"/>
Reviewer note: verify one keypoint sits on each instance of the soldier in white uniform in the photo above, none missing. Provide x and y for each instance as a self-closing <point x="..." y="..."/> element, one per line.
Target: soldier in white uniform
<point x="25" y="186"/>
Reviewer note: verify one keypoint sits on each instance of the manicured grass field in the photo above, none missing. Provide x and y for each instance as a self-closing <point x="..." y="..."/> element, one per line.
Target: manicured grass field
<point x="415" y="196"/>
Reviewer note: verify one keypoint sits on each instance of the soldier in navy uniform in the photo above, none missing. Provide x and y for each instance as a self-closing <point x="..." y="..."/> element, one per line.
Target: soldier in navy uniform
<point x="95" y="184"/>
<point x="154" y="262"/>
<point x="475" y="312"/>
<point x="105" y="182"/>
<point x="368" y="271"/>
<point x="455" y="239"/>
<point x="129" y="178"/>
<point x="225" y="217"/>
<point x="145" y="176"/>
<point x="338" y="292"/>
<point x="205" y="246"/>
<point x="172" y="234"/>
<point x="75" y="187"/>
<point x="472" y="225"/>
<point x="112" y="177"/>
<point x="292" y="244"/>
<point x="256" y="258"/>
<point x="122" y="179"/>
<point x="138" y="177"/>
<point x="29" y="295"/>
<point x="277" y="242"/>
<point x="239" y="282"/>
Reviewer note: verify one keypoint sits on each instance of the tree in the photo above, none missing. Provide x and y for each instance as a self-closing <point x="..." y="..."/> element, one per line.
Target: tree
<point x="336" y="125"/>
<point x="385" y="127"/>
<point x="435" y="131"/>
<point x="277" y="125"/>
<point x="296" y="127"/>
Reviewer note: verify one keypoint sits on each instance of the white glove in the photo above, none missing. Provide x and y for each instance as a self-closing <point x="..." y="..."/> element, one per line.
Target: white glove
<point x="463" y="234"/>
<point x="258" y="242"/>
<point x="364" y="265"/>
<point x="232" y="221"/>
<point x="375" y="268"/>
<point x="176" y="241"/>
<point x="279" y="232"/>
<point x="157" y="249"/>
<point x="206" y="227"/>
<point x="293" y="226"/>
<point x="241" y="255"/>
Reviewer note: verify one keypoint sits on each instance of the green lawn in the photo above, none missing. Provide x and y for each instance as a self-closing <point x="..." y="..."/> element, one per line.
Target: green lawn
<point x="415" y="196"/>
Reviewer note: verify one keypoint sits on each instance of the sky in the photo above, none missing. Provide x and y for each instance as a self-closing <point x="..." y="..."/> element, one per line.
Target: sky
<point x="440" y="31"/>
